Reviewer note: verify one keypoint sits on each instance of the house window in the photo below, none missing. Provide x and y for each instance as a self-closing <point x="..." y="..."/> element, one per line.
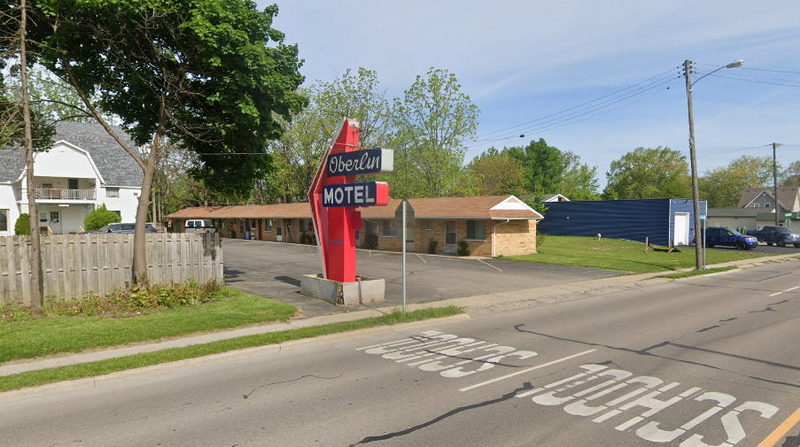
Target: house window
<point x="390" y="228"/>
<point x="269" y="224"/>
<point x="72" y="183"/>
<point x="112" y="192"/>
<point x="3" y="220"/>
<point x="54" y="216"/>
<point x="476" y="230"/>
<point x="767" y="205"/>
<point x="429" y="224"/>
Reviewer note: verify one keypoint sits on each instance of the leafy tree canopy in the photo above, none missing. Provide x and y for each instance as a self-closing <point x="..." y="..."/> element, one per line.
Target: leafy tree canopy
<point x="494" y="173"/>
<point x="723" y="187"/>
<point x="210" y="74"/>
<point x="543" y="164"/>
<point x="648" y="173"/>
<point x="791" y="175"/>
<point x="431" y="123"/>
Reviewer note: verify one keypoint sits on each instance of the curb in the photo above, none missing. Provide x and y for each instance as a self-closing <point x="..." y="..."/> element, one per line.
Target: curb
<point x="76" y="383"/>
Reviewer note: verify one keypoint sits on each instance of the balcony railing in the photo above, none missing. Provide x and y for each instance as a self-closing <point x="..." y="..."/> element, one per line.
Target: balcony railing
<point x="63" y="194"/>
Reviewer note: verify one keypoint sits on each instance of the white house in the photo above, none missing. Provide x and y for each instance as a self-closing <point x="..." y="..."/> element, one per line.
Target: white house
<point x="84" y="169"/>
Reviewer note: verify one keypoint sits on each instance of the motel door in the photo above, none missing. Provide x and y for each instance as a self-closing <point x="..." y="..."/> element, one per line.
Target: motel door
<point x="450" y="237"/>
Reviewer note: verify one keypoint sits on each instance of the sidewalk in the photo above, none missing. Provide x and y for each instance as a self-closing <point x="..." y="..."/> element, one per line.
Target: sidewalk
<point x="487" y="302"/>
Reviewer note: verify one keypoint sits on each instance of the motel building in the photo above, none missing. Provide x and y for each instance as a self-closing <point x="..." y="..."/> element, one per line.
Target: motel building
<point x="489" y="225"/>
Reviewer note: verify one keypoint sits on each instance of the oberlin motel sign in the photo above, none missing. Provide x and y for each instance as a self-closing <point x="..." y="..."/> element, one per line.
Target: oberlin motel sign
<point x="334" y="197"/>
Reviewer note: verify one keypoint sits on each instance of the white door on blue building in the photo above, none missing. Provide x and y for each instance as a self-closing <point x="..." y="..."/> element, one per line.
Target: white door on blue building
<point x="681" y="229"/>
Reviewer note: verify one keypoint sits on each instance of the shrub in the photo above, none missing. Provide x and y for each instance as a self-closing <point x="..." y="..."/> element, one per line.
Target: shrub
<point x="22" y="227"/>
<point x="432" y="246"/>
<point x="99" y="218"/>
<point x="463" y="248"/>
<point x="371" y="240"/>
<point x="139" y="298"/>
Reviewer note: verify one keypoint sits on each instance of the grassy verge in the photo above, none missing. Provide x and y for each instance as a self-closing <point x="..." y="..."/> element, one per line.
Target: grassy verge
<point x="615" y="254"/>
<point x="57" y="334"/>
<point x="41" y="377"/>
<point x="691" y="273"/>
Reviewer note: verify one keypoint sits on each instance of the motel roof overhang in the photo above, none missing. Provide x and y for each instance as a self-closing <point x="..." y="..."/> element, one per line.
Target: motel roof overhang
<point x="449" y="208"/>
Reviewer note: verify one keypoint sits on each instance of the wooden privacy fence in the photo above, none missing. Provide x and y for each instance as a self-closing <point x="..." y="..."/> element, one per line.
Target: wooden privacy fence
<point x="75" y="264"/>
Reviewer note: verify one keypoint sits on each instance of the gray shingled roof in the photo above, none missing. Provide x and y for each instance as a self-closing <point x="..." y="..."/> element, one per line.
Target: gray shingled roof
<point x="115" y="165"/>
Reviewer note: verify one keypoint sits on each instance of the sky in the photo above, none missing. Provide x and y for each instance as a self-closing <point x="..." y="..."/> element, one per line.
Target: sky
<point x="595" y="78"/>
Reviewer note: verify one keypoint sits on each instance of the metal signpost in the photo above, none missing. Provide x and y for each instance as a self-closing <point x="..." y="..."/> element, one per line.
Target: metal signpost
<point x="334" y="197"/>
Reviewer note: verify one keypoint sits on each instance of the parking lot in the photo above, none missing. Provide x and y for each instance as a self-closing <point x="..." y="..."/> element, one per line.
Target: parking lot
<point x="274" y="269"/>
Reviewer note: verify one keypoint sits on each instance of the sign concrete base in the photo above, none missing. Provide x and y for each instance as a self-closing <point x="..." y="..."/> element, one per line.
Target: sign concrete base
<point x="363" y="290"/>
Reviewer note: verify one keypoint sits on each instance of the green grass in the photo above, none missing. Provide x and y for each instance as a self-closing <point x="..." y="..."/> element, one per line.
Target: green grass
<point x="615" y="254"/>
<point x="691" y="273"/>
<point x="58" y="334"/>
<point x="41" y="377"/>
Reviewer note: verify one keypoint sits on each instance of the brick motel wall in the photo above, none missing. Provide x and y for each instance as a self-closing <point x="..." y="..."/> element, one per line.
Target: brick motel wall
<point x="517" y="237"/>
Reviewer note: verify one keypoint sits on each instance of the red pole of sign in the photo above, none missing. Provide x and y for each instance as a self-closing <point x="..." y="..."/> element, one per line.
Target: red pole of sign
<point x="335" y="227"/>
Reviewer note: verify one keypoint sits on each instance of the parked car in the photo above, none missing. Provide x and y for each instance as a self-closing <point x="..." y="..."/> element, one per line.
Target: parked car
<point x="780" y="236"/>
<point x="731" y="238"/>
<point x="122" y="228"/>
<point x="199" y="226"/>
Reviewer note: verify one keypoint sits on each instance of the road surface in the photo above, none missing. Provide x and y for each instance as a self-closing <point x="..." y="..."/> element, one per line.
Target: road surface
<point x="710" y="361"/>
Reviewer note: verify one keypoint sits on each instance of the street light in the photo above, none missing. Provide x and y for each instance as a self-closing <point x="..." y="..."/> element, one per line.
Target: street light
<point x="687" y="72"/>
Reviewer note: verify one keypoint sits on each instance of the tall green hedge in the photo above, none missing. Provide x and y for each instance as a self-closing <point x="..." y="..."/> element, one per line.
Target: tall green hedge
<point x="99" y="218"/>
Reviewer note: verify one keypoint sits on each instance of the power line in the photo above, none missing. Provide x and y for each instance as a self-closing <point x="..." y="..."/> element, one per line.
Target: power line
<point x="570" y="118"/>
<point x="636" y="86"/>
<point x="755" y="81"/>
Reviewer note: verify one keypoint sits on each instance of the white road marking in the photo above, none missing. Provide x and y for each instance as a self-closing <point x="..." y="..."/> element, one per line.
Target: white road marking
<point x="787" y="290"/>
<point x="490" y="265"/>
<point x="516" y="373"/>
<point x="422" y="259"/>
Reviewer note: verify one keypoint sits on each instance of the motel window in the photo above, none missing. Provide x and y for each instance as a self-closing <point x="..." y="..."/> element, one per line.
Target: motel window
<point x="476" y="230"/>
<point x="429" y="224"/>
<point x="269" y="224"/>
<point x="390" y="228"/>
<point x="3" y="220"/>
<point x="112" y="192"/>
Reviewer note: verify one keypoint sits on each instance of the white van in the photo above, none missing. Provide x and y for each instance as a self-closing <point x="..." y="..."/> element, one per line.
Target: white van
<point x="199" y="226"/>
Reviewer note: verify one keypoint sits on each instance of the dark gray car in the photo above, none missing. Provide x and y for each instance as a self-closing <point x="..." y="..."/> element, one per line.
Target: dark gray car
<point x="122" y="228"/>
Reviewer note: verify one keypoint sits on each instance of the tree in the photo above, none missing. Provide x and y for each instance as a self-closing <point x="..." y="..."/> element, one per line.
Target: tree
<point x="22" y="226"/>
<point x="210" y="75"/>
<point x="308" y="135"/>
<point x="431" y="122"/>
<point x="544" y="166"/>
<point x="648" y="173"/>
<point x="494" y="173"/>
<point x="791" y="175"/>
<point x="723" y="187"/>
<point x="578" y="180"/>
<point x="99" y="217"/>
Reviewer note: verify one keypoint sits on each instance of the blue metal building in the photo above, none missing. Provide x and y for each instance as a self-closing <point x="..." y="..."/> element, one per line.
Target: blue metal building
<point x="668" y="222"/>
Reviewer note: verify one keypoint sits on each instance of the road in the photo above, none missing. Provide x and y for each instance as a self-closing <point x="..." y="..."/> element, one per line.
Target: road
<point x="700" y="362"/>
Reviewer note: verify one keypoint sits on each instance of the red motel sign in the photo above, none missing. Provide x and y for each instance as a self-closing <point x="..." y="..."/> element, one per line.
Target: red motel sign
<point x="334" y="196"/>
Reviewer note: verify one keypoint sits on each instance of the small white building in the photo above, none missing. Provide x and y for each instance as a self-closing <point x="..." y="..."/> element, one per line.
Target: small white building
<point x="84" y="169"/>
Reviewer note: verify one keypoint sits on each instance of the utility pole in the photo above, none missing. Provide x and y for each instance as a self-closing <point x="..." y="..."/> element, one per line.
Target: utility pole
<point x="775" y="181"/>
<point x="698" y="246"/>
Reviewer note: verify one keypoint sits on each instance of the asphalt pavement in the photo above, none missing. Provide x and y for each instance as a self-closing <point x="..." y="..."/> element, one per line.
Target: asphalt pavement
<point x="273" y="270"/>
<point x="704" y="361"/>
